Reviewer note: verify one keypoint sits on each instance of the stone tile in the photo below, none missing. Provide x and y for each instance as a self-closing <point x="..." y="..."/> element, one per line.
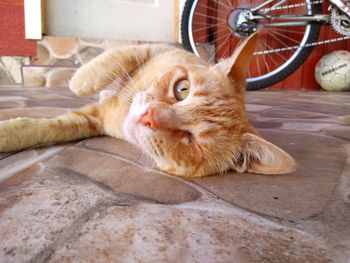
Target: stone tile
<point x="32" y="80"/>
<point x="335" y="220"/>
<point x="305" y="126"/>
<point x="60" y="77"/>
<point x="124" y="176"/>
<point x="91" y="41"/>
<point x="263" y="124"/>
<point x="256" y="107"/>
<point x="59" y="103"/>
<point x="39" y="112"/>
<point x="301" y="194"/>
<point x="7" y="102"/>
<point x="21" y="160"/>
<point x="11" y="104"/>
<point x="290" y="100"/>
<point x="26" y="173"/>
<point x="33" y="76"/>
<point x="324" y="97"/>
<point x="12" y="98"/>
<point x="119" y="148"/>
<point x="319" y="94"/>
<point x="153" y="233"/>
<point x="72" y="61"/>
<point x="62" y="47"/>
<point x="42" y="209"/>
<point x="344" y="184"/>
<point x="345" y="119"/>
<point x="267" y="97"/>
<point x="4" y="155"/>
<point x="42" y="57"/>
<point x="292" y="114"/>
<point x="64" y="203"/>
<point x="334" y="109"/>
<point x="339" y="132"/>
<point x="88" y="53"/>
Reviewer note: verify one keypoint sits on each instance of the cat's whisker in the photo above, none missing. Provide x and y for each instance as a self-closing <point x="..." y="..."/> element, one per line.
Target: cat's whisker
<point x="130" y="93"/>
<point x="127" y="97"/>
<point x="115" y="75"/>
<point x="155" y="149"/>
<point x="140" y="67"/>
<point x="125" y="72"/>
<point x="108" y="72"/>
<point x="149" y="146"/>
<point x="147" y="158"/>
<point x="129" y="90"/>
<point x="124" y="96"/>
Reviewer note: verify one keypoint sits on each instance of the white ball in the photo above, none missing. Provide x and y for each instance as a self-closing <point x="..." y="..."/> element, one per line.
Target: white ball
<point x="332" y="72"/>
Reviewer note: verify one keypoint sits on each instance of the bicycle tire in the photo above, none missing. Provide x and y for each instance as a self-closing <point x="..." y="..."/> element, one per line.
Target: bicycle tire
<point x="280" y="75"/>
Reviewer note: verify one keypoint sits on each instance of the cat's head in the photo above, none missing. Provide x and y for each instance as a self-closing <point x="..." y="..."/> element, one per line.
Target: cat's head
<point x="191" y="119"/>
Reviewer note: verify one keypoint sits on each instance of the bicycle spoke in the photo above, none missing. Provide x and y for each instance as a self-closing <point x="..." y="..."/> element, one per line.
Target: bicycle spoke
<point x="213" y="57"/>
<point x="214" y="9"/>
<point x="258" y="65"/>
<point x="213" y="17"/>
<point x="206" y="27"/>
<point x="213" y="38"/>
<point x="205" y="36"/>
<point x="216" y="40"/>
<point x="289" y="38"/>
<point x="288" y="31"/>
<point x="264" y="58"/>
<point x="271" y="58"/>
<point x="230" y="4"/>
<point x="267" y="10"/>
<point x="225" y="6"/>
<point x="279" y="41"/>
<point x="198" y="23"/>
<point x="278" y="54"/>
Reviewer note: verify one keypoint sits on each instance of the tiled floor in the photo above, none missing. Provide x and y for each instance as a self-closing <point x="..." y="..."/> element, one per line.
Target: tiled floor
<point x="98" y="200"/>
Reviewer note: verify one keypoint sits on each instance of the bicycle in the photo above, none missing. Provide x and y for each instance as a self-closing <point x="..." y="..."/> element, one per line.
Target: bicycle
<point x="289" y="30"/>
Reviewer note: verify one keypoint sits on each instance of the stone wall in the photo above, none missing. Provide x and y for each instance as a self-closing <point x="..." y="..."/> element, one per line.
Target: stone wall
<point x="56" y="61"/>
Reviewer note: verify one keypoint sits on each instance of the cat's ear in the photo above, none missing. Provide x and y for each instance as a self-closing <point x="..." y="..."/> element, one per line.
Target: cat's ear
<point x="260" y="156"/>
<point x="237" y="65"/>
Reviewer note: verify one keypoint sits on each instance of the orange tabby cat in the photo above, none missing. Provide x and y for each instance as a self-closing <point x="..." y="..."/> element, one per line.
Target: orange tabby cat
<point x="188" y="116"/>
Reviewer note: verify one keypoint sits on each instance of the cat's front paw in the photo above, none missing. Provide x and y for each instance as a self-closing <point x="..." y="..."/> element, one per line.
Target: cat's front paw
<point x="82" y="83"/>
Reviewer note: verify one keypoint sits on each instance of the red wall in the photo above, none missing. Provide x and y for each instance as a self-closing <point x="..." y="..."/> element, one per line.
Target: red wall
<point x="12" y="41"/>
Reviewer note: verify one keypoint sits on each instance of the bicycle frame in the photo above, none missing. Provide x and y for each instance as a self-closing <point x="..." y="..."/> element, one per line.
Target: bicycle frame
<point x="283" y="49"/>
<point x="259" y="13"/>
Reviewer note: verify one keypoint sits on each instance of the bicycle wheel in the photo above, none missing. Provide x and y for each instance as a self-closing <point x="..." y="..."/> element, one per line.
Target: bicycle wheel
<point x="210" y="29"/>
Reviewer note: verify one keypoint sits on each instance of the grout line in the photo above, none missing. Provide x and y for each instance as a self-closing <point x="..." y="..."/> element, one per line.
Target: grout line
<point x="10" y="170"/>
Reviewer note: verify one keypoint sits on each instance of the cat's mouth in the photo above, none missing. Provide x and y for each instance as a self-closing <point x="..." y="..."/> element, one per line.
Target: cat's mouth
<point x="183" y="135"/>
<point x="148" y="120"/>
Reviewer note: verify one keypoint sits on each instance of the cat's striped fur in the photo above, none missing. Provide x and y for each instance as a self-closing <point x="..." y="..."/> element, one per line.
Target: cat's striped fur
<point x="206" y="133"/>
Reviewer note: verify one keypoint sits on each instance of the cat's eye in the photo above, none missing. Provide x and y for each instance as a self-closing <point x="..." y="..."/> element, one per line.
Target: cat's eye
<point x="182" y="89"/>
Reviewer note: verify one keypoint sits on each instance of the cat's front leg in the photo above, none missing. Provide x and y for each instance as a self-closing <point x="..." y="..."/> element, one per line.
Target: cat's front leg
<point x="111" y="65"/>
<point x="21" y="133"/>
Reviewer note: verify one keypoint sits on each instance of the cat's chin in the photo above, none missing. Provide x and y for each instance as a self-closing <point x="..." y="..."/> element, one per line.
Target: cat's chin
<point x="133" y="132"/>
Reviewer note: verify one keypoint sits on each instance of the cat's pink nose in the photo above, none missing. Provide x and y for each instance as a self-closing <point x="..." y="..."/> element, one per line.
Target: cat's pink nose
<point x="148" y="119"/>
